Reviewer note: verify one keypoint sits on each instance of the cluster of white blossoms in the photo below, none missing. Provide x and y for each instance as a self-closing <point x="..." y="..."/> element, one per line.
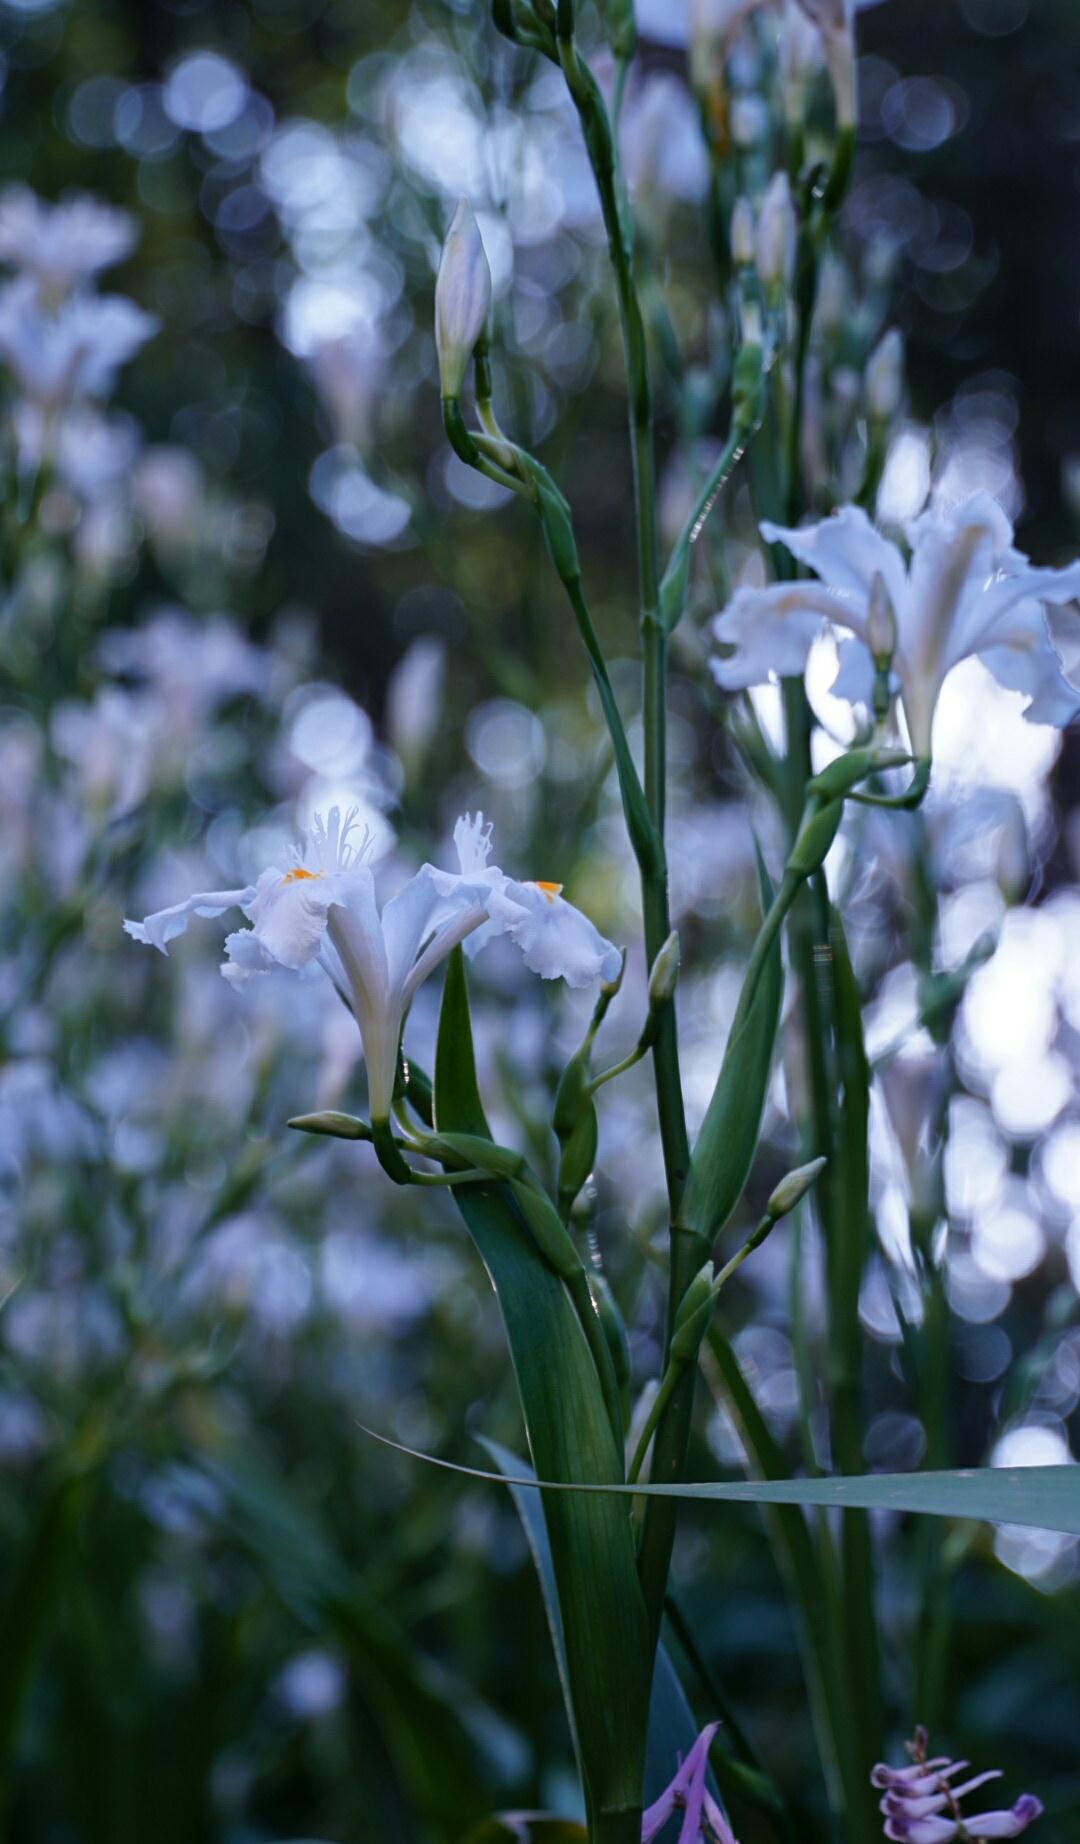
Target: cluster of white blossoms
<point x="321" y="910"/>
<point x="964" y="591"/>
<point x="61" y="342"/>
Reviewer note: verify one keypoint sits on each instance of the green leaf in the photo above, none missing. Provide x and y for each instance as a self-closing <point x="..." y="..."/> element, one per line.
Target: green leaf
<point x="458" y="1107"/>
<point x="672" y="1728"/>
<point x="1041" y="1497"/>
<point x="847" y="1228"/>
<point x="808" y="1577"/>
<point x="441" y="1737"/>
<point x="34" y="1589"/>
<point x="725" y="1146"/>
<point x="527" y="1828"/>
<point x="570" y="1439"/>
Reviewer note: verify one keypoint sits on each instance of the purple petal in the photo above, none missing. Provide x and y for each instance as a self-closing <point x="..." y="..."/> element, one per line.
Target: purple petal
<point x="1005" y="1824"/>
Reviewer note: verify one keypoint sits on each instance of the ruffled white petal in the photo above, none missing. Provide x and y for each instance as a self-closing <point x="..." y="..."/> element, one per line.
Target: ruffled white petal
<point x="289" y="914"/>
<point x="557" y="941"/>
<point x="771" y="631"/>
<point x="164" y="925"/>
<point x="1023" y="658"/>
<point x="245" y="957"/>
<point x="846" y="552"/>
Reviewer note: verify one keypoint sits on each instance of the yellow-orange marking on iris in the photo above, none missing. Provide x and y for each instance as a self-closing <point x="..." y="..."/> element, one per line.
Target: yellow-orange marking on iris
<point x="298" y="871"/>
<point x="551" y="891"/>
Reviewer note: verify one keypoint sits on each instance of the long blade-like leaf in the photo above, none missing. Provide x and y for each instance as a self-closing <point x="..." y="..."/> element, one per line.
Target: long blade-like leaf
<point x="570" y="1439"/>
<point x="672" y="1729"/>
<point x="1041" y="1497"/>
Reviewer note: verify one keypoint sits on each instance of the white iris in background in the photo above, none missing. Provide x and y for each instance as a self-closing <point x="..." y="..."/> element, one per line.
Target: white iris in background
<point x="322" y="910"/>
<point x="964" y="592"/>
<point x="62" y="244"/>
<point x="75" y="352"/>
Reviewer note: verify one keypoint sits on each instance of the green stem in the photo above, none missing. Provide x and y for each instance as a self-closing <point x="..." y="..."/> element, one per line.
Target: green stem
<point x="619" y="1069"/>
<point x="660" y="1401"/>
<point x="809" y="1578"/>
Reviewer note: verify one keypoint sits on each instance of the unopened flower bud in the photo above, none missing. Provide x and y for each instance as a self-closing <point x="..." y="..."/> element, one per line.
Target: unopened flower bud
<point x="462" y="298"/>
<point x="776" y="235"/>
<point x="792" y="1189"/>
<point x="713" y="26"/>
<point x="880" y="622"/>
<point x="742" y="234"/>
<point x="749" y="121"/>
<point x="330" y="1121"/>
<point x="608" y="988"/>
<point x="836" y="20"/>
<point x="665" y="972"/>
<point x="885" y="377"/>
<point x="832" y="296"/>
<point x="800" y="57"/>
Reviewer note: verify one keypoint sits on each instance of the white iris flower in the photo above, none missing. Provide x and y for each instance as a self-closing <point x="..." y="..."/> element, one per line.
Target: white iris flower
<point x="322" y="910"/>
<point x="61" y="244"/>
<point x="964" y="591"/>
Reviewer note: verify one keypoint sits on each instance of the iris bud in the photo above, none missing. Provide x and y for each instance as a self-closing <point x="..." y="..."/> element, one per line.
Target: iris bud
<point x="792" y="1189"/>
<point x="462" y="299"/>
<point x="885" y="376"/>
<point x="777" y="232"/>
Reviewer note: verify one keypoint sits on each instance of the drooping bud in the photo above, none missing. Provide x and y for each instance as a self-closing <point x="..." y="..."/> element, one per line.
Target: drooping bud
<point x="777" y="232"/>
<point x="880" y="623"/>
<point x="462" y="299"/>
<point x="665" y="972"/>
<point x="885" y="377"/>
<point x="792" y="1189"/>
<point x="742" y="234"/>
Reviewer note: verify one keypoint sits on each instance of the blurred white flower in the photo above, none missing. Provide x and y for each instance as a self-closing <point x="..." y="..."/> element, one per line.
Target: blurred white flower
<point x="835" y="20"/>
<point x="800" y="58"/>
<point x="664" y="156"/>
<point x="414" y="698"/>
<point x="90" y="453"/>
<point x="75" y="352"/>
<point x="965" y="591"/>
<point x="167" y="488"/>
<point x="884" y="377"/>
<point x="111" y="744"/>
<point x="195" y="665"/>
<point x="59" y="245"/>
<point x="776" y="236"/>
